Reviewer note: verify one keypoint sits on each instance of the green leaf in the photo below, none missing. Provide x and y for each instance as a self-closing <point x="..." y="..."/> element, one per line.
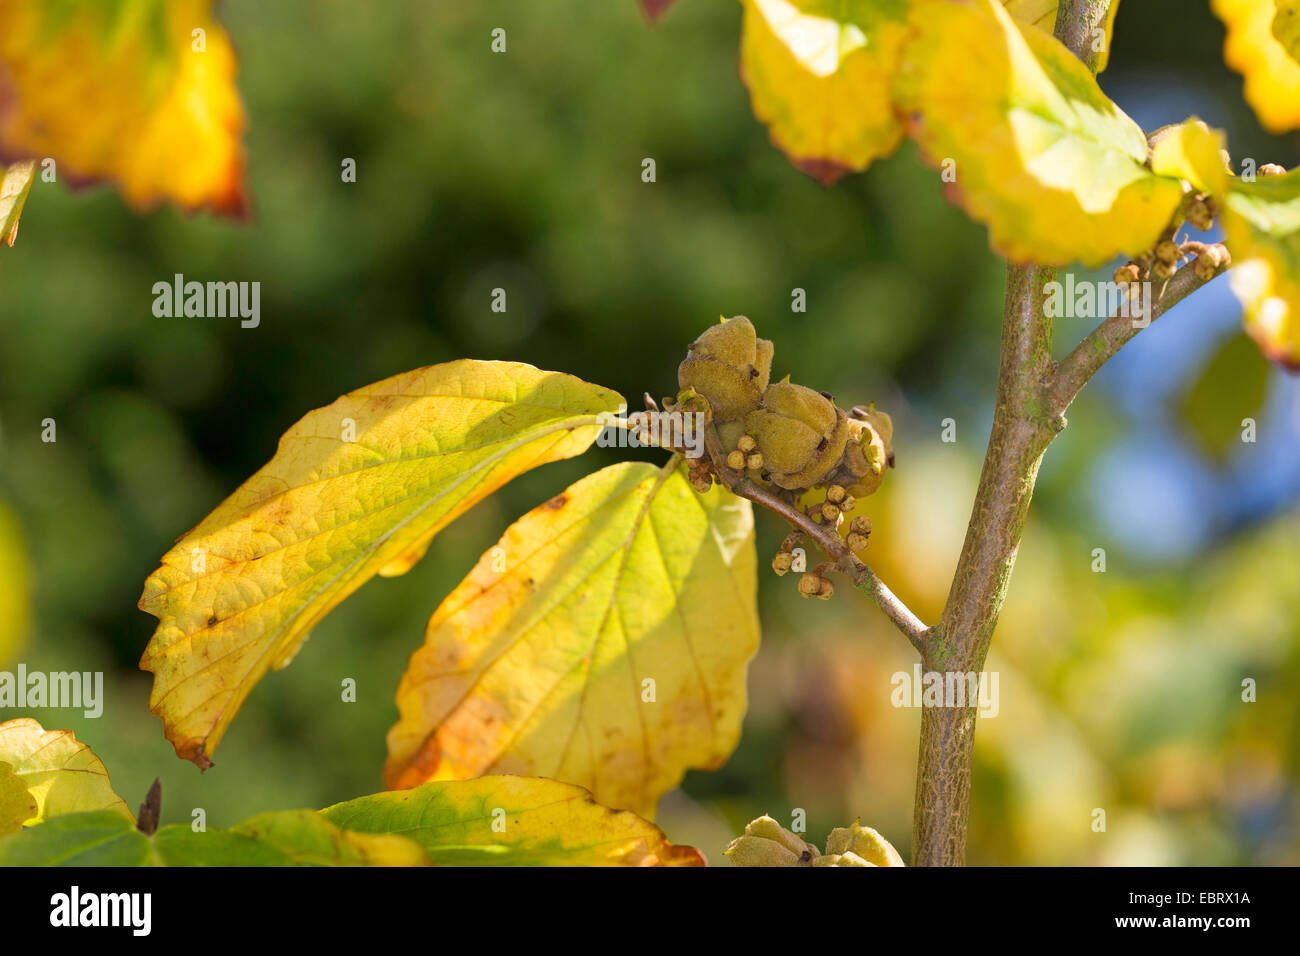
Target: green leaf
<point x="1262" y="221"/>
<point x="1232" y="386"/>
<point x="512" y="821"/>
<point x="355" y="489"/>
<point x="602" y="642"/>
<point x="1031" y="145"/>
<point x="284" y="838"/>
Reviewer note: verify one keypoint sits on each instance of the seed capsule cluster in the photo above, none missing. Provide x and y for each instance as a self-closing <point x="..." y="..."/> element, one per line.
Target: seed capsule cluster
<point x="786" y="436"/>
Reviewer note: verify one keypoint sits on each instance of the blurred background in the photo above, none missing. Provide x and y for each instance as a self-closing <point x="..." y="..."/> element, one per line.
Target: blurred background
<point x="1119" y="690"/>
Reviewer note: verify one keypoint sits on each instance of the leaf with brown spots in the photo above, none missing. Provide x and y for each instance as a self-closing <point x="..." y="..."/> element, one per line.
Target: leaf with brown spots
<point x="355" y="489"/>
<point x="602" y="642"/>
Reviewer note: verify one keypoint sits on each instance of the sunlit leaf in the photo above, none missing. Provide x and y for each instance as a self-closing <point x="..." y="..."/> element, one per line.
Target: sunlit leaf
<point x="139" y="92"/>
<point x="282" y="838"/>
<point x="356" y="488"/>
<point x="513" y="821"/>
<point x="17" y="805"/>
<point x="1262" y="220"/>
<point x="1035" y="149"/>
<point x="61" y="774"/>
<point x="1042" y="14"/>
<point x="819" y="74"/>
<point x="1191" y="151"/>
<point x="1233" y="385"/>
<point x="1272" y="74"/>
<point x="603" y="642"/>
<point x="15" y="184"/>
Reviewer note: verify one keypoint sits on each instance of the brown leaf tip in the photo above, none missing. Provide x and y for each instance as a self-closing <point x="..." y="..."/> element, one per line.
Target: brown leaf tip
<point x="654" y="9"/>
<point x="151" y="810"/>
<point x="825" y="171"/>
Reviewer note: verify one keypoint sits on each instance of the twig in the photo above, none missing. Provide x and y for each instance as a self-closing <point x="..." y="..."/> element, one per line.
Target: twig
<point x="846" y="562"/>
<point x="1064" y="382"/>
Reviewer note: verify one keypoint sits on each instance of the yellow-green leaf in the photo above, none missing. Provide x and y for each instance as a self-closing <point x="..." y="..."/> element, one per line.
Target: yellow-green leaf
<point x="1194" y="152"/>
<point x="356" y="488"/>
<point x="603" y="642"/>
<point x="61" y="774"/>
<point x="282" y="838"/>
<point x="17" y="805"/>
<point x="1253" y="50"/>
<point x="1042" y="14"/>
<point x="819" y="74"/>
<point x="512" y="821"/>
<point x="1262" y="220"/>
<point x="141" y="93"/>
<point x="1286" y="27"/>
<point x="15" y="184"/>
<point x="1036" y="149"/>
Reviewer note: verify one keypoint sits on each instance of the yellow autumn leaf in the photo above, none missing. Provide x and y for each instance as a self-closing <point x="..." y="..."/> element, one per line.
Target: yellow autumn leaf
<point x="603" y="642"/>
<point x="512" y="821"/>
<point x="17" y="805"/>
<point x="1042" y="14"/>
<point x="15" y="184"/>
<point x="819" y="74"/>
<point x="1262" y="222"/>
<point x="1252" y="49"/>
<point x="139" y="92"/>
<point x="1191" y="151"/>
<point x="61" y="774"/>
<point x="356" y="488"/>
<point x="1030" y="144"/>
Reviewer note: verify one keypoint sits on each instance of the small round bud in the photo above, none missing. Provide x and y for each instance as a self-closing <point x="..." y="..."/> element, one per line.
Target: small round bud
<point x="746" y="444"/>
<point x="702" y="483"/>
<point x="1167" y="250"/>
<point x="755" y="461"/>
<point x="835" y="494"/>
<point x="782" y="562"/>
<point x="1272" y="169"/>
<point x="1127" y="273"/>
<point x="1205" y="268"/>
<point x="848" y="504"/>
<point x="810" y="585"/>
<point x="861" y="524"/>
<point x="1162" y="270"/>
<point x="825" y="590"/>
<point x="857" y="542"/>
<point x="1200" y="215"/>
<point x="830" y="511"/>
<point x="736" y="461"/>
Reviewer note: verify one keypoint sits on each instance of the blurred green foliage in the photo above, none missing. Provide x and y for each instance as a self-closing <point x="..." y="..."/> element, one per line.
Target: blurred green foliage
<point x="523" y="171"/>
